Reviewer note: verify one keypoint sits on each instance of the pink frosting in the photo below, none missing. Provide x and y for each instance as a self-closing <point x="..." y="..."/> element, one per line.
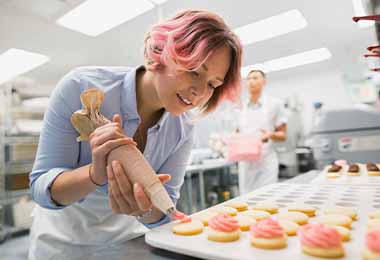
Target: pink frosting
<point x="319" y="235"/>
<point x="372" y="241"/>
<point x="178" y="215"/>
<point x="267" y="228"/>
<point x="223" y="223"/>
<point x="340" y="162"/>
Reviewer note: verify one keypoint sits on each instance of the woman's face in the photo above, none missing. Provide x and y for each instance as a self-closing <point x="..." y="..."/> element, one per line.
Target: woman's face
<point x="180" y="92"/>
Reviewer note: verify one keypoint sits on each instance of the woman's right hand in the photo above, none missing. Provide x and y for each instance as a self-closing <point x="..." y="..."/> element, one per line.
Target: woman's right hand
<point x="103" y="140"/>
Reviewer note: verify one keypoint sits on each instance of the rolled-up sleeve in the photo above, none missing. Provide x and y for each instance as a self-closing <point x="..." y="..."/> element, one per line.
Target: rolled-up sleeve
<point x="58" y="150"/>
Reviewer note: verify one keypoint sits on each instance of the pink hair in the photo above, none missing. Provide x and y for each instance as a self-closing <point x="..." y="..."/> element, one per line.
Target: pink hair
<point x="184" y="43"/>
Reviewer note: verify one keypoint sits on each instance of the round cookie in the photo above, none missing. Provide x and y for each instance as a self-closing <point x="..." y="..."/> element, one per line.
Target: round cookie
<point x="223" y="228"/>
<point x="205" y="216"/>
<point x="294" y="216"/>
<point x="225" y="210"/>
<point x="304" y="208"/>
<point x="268" y="234"/>
<point x="374" y="214"/>
<point x="372" y="246"/>
<point x="338" y="210"/>
<point x="191" y="228"/>
<point x="373" y="224"/>
<point x="244" y="221"/>
<point x="238" y="205"/>
<point x="335" y="220"/>
<point x="267" y="206"/>
<point x="332" y="175"/>
<point x="289" y="227"/>
<point x="343" y="232"/>
<point x="256" y="214"/>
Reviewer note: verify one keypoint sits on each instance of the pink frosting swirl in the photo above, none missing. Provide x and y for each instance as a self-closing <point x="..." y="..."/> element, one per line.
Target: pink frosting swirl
<point x="178" y="215"/>
<point x="267" y="228"/>
<point x="319" y="235"/>
<point x="372" y="241"/>
<point x="223" y="223"/>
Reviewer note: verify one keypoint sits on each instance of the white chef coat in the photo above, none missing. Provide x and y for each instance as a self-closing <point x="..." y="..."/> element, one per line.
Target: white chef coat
<point x="267" y="114"/>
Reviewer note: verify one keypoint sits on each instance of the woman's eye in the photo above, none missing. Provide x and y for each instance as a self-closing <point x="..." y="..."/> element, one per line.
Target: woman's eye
<point x="211" y="86"/>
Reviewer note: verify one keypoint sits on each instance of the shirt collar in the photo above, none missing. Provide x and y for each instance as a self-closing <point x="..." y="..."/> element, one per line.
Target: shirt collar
<point x="129" y="98"/>
<point x="259" y="103"/>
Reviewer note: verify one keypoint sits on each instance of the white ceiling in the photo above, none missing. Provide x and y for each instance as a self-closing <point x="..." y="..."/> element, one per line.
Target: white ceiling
<point x="30" y="25"/>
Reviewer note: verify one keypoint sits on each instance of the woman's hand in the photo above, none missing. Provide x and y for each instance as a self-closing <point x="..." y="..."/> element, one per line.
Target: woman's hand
<point x="125" y="197"/>
<point x="103" y="140"/>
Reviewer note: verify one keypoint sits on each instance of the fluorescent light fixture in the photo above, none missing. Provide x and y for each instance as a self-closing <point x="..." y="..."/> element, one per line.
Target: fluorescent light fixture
<point x="291" y="61"/>
<point x="271" y="27"/>
<point x="94" y="17"/>
<point x="359" y="10"/>
<point x="15" y="62"/>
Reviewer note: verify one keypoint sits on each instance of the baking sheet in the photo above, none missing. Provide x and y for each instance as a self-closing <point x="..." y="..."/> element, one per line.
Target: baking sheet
<point x="363" y="198"/>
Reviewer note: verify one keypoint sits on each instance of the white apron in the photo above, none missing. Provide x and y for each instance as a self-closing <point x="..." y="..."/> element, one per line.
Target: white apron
<point x="79" y="230"/>
<point x="253" y="175"/>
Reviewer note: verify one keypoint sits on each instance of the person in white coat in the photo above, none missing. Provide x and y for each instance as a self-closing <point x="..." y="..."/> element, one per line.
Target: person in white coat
<point x="264" y="117"/>
<point x="84" y="206"/>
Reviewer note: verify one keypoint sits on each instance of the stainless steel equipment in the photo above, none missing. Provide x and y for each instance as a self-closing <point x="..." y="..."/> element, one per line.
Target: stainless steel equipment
<point x="350" y="134"/>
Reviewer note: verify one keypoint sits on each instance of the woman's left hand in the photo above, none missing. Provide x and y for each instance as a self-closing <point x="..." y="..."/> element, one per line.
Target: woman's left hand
<point x="125" y="197"/>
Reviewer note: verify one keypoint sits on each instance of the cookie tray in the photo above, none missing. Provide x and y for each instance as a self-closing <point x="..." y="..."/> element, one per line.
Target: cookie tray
<point x="362" y="198"/>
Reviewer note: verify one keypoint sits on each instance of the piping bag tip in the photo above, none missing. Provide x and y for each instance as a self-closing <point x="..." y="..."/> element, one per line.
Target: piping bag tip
<point x="178" y="215"/>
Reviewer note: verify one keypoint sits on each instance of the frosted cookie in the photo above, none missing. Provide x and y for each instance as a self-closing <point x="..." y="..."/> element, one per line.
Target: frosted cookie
<point x="205" y="216"/>
<point x="349" y="212"/>
<point x="244" y="221"/>
<point x="373" y="224"/>
<point x="225" y="210"/>
<point x="353" y="170"/>
<point x="304" y="208"/>
<point x="332" y="175"/>
<point x="193" y="227"/>
<point x="335" y="220"/>
<point x="340" y="162"/>
<point x="268" y="234"/>
<point x="334" y="168"/>
<point x="256" y="214"/>
<point x="238" y="205"/>
<point x="372" y="246"/>
<point x="344" y="233"/>
<point x="320" y="241"/>
<point x="294" y="216"/>
<point x="223" y="228"/>
<point x="374" y="214"/>
<point x="289" y="227"/>
<point x="372" y="169"/>
<point x="267" y="206"/>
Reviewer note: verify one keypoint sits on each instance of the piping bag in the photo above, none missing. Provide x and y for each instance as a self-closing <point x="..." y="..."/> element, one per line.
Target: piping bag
<point x="136" y="167"/>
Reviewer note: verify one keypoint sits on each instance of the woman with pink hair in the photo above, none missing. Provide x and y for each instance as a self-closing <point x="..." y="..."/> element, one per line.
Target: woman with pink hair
<point x="191" y="61"/>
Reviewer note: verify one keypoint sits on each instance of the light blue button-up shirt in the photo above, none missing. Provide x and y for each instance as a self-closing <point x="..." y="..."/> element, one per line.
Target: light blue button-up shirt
<point x="168" y="142"/>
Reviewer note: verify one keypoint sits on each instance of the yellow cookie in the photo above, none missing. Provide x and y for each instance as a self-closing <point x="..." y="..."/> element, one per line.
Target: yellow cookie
<point x="244" y="221"/>
<point x="373" y="224"/>
<point x="226" y="210"/>
<point x="297" y="217"/>
<point x="373" y="173"/>
<point x="256" y="214"/>
<point x="269" y="243"/>
<point x="289" y="227"/>
<point x="338" y="210"/>
<point x="219" y="236"/>
<point x="370" y="255"/>
<point x="335" y="252"/>
<point x="188" y="229"/>
<point x="304" y="208"/>
<point x="332" y="175"/>
<point x="205" y="216"/>
<point x="335" y="220"/>
<point x="238" y="205"/>
<point x="343" y="232"/>
<point x="267" y="206"/>
<point x="374" y="214"/>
